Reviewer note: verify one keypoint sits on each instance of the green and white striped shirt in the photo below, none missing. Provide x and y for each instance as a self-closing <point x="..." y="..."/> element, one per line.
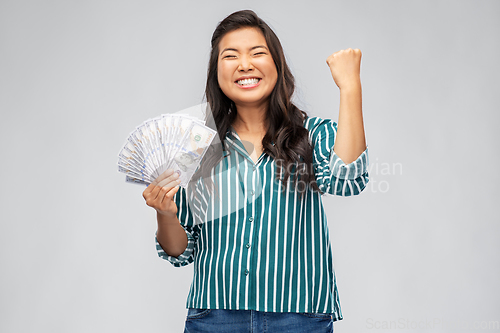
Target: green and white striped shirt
<point x="255" y="247"/>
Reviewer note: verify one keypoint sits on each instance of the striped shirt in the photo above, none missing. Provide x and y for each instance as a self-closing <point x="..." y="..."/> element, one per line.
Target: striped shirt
<point x="256" y="247"/>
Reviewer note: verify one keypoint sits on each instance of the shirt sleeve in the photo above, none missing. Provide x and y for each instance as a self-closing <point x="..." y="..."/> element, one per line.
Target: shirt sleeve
<point x="333" y="176"/>
<point x="186" y="219"/>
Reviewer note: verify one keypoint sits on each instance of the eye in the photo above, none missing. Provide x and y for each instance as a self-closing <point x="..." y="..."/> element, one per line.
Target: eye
<point x="260" y="53"/>
<point x="229" y="56"/>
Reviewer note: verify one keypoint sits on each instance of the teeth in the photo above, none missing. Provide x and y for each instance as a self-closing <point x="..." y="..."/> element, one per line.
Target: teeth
<point x="248" y="81"/>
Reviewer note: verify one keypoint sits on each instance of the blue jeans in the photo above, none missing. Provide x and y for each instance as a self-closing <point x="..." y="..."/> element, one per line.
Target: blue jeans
<point x="251" y="321"/>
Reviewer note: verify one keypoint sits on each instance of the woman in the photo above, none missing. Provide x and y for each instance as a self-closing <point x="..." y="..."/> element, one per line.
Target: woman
<point x="260" y="242"/>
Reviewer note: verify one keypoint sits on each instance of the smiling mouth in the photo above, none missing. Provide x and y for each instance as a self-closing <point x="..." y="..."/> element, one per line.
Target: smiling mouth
<point x="248" y="82"/>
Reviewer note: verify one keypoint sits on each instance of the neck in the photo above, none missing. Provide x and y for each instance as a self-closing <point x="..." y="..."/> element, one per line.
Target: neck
<point x="251" y="119"/>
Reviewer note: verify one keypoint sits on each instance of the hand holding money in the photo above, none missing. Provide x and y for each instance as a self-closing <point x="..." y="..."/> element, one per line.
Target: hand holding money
<point x="160" y="193"/>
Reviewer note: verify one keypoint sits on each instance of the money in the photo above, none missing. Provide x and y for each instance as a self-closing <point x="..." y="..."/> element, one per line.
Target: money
<point x="194" y="144"/>
<point x="168" y="141"/>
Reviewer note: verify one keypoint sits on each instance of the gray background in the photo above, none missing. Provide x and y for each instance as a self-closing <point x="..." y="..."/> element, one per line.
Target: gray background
<point x="418" y="249"/>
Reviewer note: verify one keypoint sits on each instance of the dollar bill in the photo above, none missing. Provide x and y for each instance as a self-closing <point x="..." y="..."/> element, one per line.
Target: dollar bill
<point x="196" y="140"/>
<point x="162" y="142"/>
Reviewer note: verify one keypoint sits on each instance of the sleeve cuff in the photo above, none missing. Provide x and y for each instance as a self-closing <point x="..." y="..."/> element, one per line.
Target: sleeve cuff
<point x="184" y="258"/>
<point x="349" y="171"/>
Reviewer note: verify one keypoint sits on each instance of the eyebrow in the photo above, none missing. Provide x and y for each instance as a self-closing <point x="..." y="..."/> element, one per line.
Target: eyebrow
<point x="232" y="49"/>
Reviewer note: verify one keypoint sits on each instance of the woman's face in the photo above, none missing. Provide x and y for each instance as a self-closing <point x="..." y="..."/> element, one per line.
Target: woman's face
<point x="244" y="54"/>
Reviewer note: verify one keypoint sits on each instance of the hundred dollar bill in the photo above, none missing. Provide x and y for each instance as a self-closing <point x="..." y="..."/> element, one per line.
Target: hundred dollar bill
<point x="153" y="136"/>
<point x="167" y="129"/>
<point x="127" y="161"/>
<point x="180" y="125"/>
<point x="133" y="153"/>
<point x="141" y="149"/>
<point x="160" y="128"/>
<point x="134" y="174"/>
<point x="163" y="127"/>
<point x="144" y="133"/>
<point x="194" y="145"/>
<point x="157" y="126"/>
<point x="132" y="180"/>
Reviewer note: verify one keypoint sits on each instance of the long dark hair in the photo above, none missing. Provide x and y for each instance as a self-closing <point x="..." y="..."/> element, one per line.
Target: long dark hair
<point x="285" y="121"/>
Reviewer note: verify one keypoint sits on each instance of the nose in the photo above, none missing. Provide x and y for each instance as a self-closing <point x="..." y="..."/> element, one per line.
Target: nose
<point x="245" y="64"/>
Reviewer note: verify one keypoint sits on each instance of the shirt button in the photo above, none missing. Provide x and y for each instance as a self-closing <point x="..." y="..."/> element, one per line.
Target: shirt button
<point x="252" y="192"/>
<point x="246" y="272"/>
<point x="250" y="219"/>
<point x="254" y="168"/>
<point x="248" y="246"/>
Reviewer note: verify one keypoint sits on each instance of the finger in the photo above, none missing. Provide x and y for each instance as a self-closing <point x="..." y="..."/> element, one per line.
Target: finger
<point x="167" y="182"/>
<point x="149" y="190"/>
<point x="150" y="194"/>
<point x="172" y="184"/>
<point x="156" y="193"/>
<point x="170" y="194"/>
<point x="161" y="195"/>
<point x="165" y="174"/>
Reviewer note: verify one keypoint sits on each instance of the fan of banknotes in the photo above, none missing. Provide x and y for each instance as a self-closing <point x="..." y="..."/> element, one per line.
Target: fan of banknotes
<point x="171" y="141"/>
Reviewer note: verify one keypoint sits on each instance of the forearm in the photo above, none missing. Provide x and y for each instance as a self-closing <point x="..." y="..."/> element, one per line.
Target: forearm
<point x="171" y="235"/>
<point x="350" y="139"/>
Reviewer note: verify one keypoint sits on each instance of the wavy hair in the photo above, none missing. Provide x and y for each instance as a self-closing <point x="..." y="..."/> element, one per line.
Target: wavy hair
<point x="284" y="120"/>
